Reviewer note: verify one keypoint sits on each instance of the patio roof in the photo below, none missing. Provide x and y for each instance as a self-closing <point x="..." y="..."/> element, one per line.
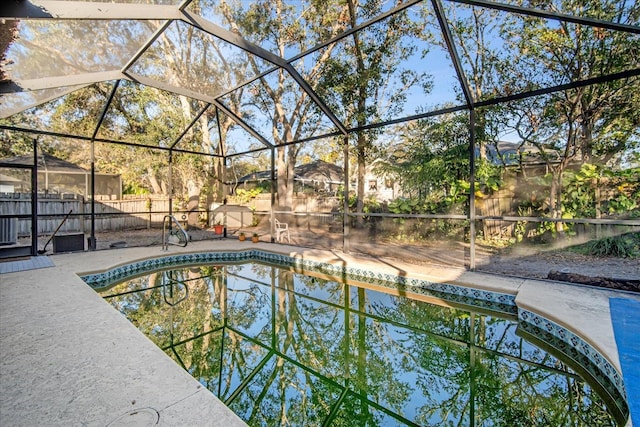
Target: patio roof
<point x="184" y="51"/>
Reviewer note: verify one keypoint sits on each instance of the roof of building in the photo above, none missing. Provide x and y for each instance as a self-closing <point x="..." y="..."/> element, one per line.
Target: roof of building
<point x="46" y="162"/>
<point x="317" y="171"/>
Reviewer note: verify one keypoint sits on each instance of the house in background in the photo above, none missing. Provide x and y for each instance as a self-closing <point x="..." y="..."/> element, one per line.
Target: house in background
<point x="317" y="177"/>
<point x="382" y="187"/>
<point x="325" y="178"/>
<point x="321" y="176"/>
<point x="57" y="176"/>
<point x="11" y="184"/>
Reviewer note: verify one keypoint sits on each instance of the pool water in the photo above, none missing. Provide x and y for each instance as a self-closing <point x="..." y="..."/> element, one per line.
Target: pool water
<point x="282" y="348"/>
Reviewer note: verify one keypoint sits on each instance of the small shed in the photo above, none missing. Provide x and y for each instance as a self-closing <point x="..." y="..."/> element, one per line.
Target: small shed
<point x="234" y="216"/>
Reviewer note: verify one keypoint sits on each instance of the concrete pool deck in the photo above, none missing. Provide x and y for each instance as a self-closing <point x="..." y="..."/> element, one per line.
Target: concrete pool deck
<point x="68" y="358"/>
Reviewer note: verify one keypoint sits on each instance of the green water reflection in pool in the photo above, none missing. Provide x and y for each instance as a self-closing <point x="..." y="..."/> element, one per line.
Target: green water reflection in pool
<point x="281" y="348"/>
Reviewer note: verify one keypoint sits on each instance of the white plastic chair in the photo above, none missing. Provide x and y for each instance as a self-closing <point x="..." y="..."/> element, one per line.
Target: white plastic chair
<point x="282" y="230"/>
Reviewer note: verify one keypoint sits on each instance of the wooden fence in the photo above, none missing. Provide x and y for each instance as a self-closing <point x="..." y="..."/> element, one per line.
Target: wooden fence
<point x="144" y="212"/>
<point x="116" y="215"/>
<point x="111" y="215"/>
<point x="262" y="203"/>
<point x="499" y="204"/>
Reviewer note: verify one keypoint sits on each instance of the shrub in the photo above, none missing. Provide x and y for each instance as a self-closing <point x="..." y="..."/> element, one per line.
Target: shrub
<point x="625" y="246"/>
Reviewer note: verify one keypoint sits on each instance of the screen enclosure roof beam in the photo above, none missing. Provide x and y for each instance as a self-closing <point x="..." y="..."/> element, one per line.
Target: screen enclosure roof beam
<point x="551" y="15"/>
<point x="238" y="41"/>
<point x="51" y="9"/>
<point x="60" y="81"/>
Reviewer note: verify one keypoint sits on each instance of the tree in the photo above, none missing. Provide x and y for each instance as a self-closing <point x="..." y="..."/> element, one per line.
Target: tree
<point x="473" y="30"/>
<point x="358" y="81"/>
<point x="291" y="113"/>
<point x="430" y="155"/>
<point x="146" y="115"/>
<point x="137" y="114"/>
<point x="15" y="144"/>
<point x="190" y="58"/>
<point x="596" y="124"/>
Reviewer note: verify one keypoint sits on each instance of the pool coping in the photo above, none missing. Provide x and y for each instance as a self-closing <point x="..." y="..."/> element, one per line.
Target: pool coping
<point x="584" y="312"/>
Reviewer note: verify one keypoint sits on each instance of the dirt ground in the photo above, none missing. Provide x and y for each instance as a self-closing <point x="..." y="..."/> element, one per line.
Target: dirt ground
<point x="540" y="264"/>
<point x="532" y="262"/>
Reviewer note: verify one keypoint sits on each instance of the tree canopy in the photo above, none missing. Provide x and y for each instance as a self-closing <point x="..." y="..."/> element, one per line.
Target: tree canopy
<point x="395" y="81"/>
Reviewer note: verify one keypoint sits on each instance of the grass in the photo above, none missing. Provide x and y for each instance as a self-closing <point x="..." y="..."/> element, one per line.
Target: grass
<point x="623" y="246"/>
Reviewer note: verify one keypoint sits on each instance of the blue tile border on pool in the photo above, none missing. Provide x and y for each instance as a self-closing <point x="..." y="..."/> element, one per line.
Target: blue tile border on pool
<point x="576" y="348"/>
<point x="485" y="299"/>
<point x="544" y="329"/>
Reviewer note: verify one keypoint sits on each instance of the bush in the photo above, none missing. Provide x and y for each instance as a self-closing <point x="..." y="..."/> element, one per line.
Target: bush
<point x="625" y="246"/>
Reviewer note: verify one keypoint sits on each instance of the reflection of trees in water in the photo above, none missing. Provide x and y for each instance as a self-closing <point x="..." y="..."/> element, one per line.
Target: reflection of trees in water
<point x="495" y="378"/>
<point x="286" y="349"/>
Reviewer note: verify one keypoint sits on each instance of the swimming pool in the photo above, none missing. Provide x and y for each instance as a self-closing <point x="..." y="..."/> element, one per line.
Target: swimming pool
<point x="340" y="346"/>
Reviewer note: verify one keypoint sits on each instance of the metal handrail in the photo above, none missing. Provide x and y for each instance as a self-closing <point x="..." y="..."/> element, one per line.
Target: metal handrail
<point x="175" y="230"/>
<point x="170" y="285"/>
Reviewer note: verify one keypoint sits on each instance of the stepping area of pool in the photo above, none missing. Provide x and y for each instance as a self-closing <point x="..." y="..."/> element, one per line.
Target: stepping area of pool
<point x="68" y="358"/>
